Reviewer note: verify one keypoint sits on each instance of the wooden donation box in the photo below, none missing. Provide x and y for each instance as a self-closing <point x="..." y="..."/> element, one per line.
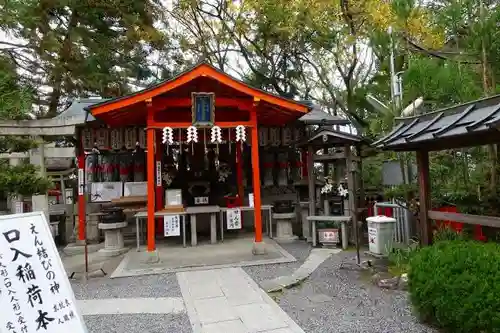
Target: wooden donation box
<point x="173" y="201"/>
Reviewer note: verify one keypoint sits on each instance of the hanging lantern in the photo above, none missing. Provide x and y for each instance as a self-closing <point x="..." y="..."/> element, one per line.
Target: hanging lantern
<point x="297" y="134"/>
<point x="286" y="136"/>
<point x="102" y="138"/>
<point x="87" y="139"/>
<point x="142" y="138"/>
<point x="116" y="138"/>
<point x="263" y="136"/>
<point x="274" y="136"/>
<point x="130" y="138"/>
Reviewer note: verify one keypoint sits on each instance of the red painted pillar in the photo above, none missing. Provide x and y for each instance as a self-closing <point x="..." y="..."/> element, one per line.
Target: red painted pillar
<point x="256" y="175"/>
<point x="159" y="186"/>
<point x="151" y="180"/>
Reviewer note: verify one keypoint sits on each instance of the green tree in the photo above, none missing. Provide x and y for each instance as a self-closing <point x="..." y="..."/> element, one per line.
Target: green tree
<point x="15" y="101"/>
<point x="80" y="48"/>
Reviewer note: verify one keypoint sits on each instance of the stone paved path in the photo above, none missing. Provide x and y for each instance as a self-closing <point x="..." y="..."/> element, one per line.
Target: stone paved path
<point x="229" y="301"/>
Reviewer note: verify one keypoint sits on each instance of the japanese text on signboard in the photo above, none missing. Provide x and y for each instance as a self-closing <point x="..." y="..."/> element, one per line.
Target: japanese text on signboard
<point x="35" y="294"/>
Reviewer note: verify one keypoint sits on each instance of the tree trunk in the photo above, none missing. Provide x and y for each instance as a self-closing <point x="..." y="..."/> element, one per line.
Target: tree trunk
<point x="64" y="56"/>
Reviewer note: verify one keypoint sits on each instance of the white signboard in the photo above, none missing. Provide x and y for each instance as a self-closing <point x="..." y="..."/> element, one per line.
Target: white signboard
<point x="233" y="217"/>
<point x="158" y="173"/>
<point x="172" y="225"/>
<point x="250" y="200"/>
<point x="105" y="191"/>
<point x="200" y="200"/>
<point x="135" y="189"/>
<point x="35" y="293"/>
<point x="81" y="179"/>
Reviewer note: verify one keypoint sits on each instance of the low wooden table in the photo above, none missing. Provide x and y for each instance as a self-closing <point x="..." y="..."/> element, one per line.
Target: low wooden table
<point x="144" y="215"/>
<point x="247" y="209"/>
<point x="331" y="218"/>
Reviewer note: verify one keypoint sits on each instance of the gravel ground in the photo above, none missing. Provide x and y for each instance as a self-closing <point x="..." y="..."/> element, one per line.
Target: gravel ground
<point x="146" y="323"/>
<point x="337" y="300"/>
<point x="164" y="285"/>
<point x="299" y="249"/>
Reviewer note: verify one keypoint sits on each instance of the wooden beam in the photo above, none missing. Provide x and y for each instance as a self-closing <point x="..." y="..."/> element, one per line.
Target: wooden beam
<point x="351" y="187"/>
<point x="222" y="124"/>
<point x="487" y="221"/>
<point x="161" y="103"/>
<point x="424" y="196"/>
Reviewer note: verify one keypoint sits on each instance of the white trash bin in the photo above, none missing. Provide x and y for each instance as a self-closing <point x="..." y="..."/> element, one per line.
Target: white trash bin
<point x="381" y="234"/>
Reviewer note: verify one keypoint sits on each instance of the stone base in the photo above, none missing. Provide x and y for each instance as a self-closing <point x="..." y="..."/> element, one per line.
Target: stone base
<point x="112" y="252"/>
<point x="259" y="248"/>
<point x="151" y="257"/>
<point x="284" y="230"/>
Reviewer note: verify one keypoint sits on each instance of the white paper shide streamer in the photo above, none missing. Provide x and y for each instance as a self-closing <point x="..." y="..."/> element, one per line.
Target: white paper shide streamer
<point x="241" y="135"/>
<point x="192" y="136"/>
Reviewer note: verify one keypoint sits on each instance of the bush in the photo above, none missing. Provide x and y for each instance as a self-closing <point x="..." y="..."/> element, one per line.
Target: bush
<point x="455" y="285"/>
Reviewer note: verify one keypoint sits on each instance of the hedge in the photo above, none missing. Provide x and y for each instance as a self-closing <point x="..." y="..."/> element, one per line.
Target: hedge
<point x="455" y="285"/>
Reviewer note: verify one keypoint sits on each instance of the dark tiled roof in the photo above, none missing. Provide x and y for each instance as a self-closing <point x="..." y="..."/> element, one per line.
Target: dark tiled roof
<point x="333" y="138"/>
<point x="319" y="117"/>
<point x="464" y="120"/>
<point x="77" y="109"/>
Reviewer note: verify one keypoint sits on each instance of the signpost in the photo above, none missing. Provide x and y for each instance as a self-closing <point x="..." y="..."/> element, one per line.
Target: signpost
<point x="35" y="293"/>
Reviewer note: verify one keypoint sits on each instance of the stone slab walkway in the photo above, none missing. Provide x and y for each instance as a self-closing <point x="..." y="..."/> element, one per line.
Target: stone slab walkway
<point x="111" y="306"/>
<point x="315" y="258"/>
<point x="228" y="301"/>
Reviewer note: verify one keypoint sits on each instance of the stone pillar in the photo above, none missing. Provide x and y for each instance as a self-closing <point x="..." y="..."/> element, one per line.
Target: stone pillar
<point x="40" y="202"/>
<point x="15" y="202"/>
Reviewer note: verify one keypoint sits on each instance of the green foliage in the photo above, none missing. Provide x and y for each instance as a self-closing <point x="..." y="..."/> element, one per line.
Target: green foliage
<point x="22" y="179"/>
<point x="399" y="259"/>
<point x="445" y="233"/>
<point x="455" y="286"/>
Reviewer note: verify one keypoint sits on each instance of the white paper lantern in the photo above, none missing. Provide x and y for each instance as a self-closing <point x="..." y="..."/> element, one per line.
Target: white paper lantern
<point x="274" y="136"/>
<point x="116" y="137"/>
<point x="286" y="136"/>
<point x="87" y="138"/>
<point x="130" y="139"/>
<point x="263" y="136"/>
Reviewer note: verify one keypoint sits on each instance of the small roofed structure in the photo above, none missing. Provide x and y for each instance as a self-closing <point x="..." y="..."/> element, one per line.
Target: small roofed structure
<point x="319" y="117"/>
<point x="466" y="125"/>
<point x="470" y="124"/>
<point x="327" y="137"/>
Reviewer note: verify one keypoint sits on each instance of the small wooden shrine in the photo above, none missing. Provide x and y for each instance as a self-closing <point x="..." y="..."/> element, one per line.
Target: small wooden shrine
<point x="204" y="135"/>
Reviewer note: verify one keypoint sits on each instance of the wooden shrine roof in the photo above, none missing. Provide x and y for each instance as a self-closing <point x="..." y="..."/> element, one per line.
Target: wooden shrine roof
<point x="201" y="78"/>
<point x="465" y="125"/>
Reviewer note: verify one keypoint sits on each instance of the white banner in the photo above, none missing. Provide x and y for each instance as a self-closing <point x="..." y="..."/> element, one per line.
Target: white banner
<point x="36" y="295"/>
<point x="233" y="217"/>
<point x="81" y="181"/>
<point x="172" y="225"/>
